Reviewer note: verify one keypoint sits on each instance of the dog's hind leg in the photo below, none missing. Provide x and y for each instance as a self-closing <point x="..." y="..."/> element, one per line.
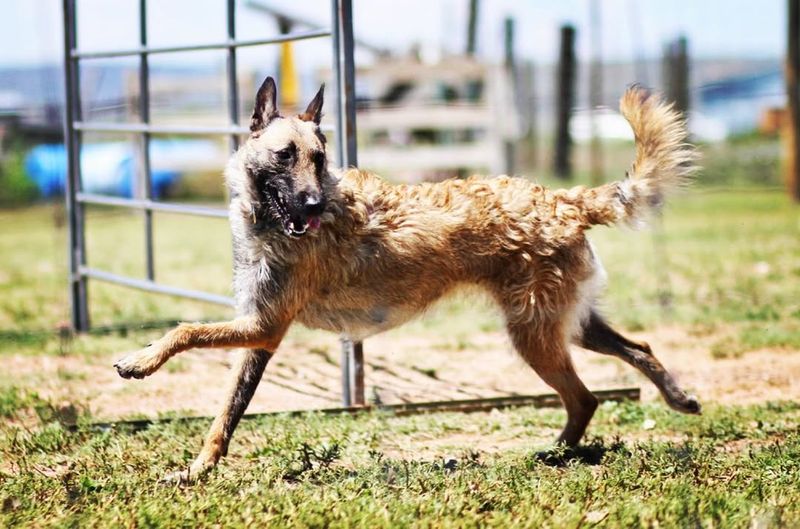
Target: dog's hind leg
<point x="543" y="347"/>
<point x="246" y="376"/>
<point x="598" y="336"/>
<point x="246" y="331"/>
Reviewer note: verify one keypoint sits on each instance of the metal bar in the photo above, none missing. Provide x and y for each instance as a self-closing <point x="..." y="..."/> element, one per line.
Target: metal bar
<point x="75" y="214"/>
<point x="337" y="83"/>
<point x="349" y="83"/>
<point x="145" y="173"/>
<point x="346" y="156"/>
<point x="296" y="20"/>
<point x="347" y="121"/>
<point x="299" y="35"/>
<point x="548" y="400"/>
<point x="357" y="372"/>
<point x="339" y="125"/>
<point x="158" y="129"/>
<point x="347" y="394"/>
<point x="152" y="286"/>
<point x="152" y="205"/>
<point x="233" y="85"/>
<point x="188" y="130"/>
<point x="511" y="71"/>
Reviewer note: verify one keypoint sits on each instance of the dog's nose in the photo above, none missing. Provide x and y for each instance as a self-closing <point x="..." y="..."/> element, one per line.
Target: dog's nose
<point x="313" y="204"/>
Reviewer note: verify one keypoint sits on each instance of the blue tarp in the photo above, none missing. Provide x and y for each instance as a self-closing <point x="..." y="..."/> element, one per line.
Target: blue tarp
<point x="106" y="168"/>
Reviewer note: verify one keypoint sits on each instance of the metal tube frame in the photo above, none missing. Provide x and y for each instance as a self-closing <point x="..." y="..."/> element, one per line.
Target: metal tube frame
<point x="347" y="156"/>
<point x="72" y="112"/>
<point x="145" y="188"/>
<point x="74" y="127"/>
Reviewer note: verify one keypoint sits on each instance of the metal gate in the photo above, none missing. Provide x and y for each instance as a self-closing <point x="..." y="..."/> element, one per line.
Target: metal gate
<point x="341" y="34"/>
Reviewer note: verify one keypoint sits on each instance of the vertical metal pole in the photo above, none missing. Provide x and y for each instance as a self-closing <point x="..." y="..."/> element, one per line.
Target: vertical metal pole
<point x="352" y="373"/>
<point x="347" y="345"/>
<point x="145" y="176"/>
<point x="347" y="156"/>
<point x="233" y="85"/>
<point x="347" y="353"/>
<point x="72" y="141"/>
<point x="348" y="69"/>
<point x="337" y="82"/>
<point x="509" y="146"/>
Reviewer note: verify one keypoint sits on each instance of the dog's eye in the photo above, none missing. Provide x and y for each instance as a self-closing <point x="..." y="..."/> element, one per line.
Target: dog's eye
<point x="285" y="155"/>
<point x="319" y="160"/>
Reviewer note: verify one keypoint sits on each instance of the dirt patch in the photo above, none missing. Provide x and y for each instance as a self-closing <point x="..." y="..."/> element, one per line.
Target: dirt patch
<point x="305" y="374"/>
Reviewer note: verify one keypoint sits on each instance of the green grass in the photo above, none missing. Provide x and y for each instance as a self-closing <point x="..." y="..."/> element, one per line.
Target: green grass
<point x="731" y="467"/>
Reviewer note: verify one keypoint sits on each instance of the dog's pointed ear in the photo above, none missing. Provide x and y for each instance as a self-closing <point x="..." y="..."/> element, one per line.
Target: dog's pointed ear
<point x="314" y="110"/>
<point x="266" y="108"/>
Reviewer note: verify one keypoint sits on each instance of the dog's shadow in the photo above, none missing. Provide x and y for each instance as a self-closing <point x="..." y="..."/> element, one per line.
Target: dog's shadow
<point x="591" y="453"/>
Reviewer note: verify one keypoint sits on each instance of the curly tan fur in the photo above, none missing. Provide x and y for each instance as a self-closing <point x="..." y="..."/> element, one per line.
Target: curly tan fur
<point x="383" y="253"/>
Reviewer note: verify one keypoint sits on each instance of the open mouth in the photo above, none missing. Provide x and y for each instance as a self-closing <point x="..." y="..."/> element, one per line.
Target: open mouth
<point x="292" y="227"/>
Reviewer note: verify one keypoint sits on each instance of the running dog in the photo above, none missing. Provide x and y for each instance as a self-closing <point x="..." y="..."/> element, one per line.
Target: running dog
<point x="347" y="252"/>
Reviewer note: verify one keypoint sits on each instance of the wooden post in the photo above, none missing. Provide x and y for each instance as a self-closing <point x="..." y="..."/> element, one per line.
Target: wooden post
<point x="562" y="163"/>
<point x="596" y="93"/>
<point x="793" y="99"/>
<point x="676" y="73"/>
<point x="681" y="75"/>
<point x="472" y="27"/>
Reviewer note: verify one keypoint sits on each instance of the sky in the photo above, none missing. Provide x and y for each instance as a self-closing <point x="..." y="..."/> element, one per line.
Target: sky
<point x="30" y="30"/>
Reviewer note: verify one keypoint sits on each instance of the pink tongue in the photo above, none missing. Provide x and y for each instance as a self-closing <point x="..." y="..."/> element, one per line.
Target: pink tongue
<point x="314" y="223"/>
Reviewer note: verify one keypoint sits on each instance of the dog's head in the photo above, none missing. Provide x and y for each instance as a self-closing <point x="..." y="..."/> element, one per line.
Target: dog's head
<point x="286" y="164"/>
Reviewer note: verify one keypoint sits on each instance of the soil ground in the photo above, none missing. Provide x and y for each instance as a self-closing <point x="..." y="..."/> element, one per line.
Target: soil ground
<point x="305" y="374"/>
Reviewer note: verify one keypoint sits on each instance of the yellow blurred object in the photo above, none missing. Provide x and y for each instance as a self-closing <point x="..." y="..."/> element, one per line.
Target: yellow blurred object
<point x="290" y="84"/>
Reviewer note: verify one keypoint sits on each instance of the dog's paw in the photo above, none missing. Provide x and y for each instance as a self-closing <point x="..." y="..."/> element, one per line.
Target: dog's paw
<point x="188" y="476"/>
<point x="693" y="405"/>
<point x="686" y="404"/>
<point x="557" y="457"/>
<point x="179" y="477"/>
<point x="139" y="364"/>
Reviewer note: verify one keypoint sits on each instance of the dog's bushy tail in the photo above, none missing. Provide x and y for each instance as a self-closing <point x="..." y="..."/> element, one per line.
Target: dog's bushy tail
<point x="664" y="162"/>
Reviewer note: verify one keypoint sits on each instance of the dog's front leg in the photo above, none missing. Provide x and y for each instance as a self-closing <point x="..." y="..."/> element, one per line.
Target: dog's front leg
<point x="247" y="331"/>
<point x="246" y="376"/>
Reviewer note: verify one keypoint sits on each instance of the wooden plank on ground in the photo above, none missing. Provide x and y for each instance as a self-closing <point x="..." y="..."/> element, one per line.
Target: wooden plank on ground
<point x="546" y="400"/>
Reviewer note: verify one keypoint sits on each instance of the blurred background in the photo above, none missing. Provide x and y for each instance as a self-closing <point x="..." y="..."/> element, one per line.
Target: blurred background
<point x="444" y="88"/>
